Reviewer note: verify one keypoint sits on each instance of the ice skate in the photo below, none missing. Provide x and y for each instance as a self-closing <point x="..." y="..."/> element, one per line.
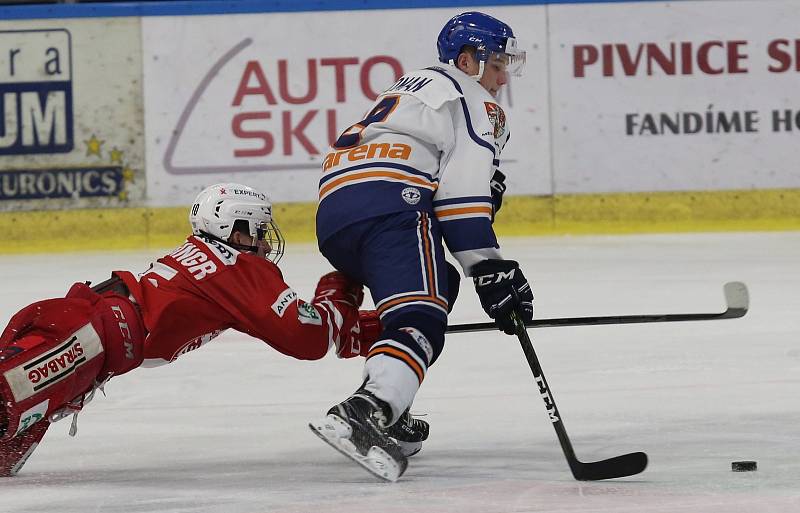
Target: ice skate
<point x="408" y="433"/>
<point x="354" y="428"/>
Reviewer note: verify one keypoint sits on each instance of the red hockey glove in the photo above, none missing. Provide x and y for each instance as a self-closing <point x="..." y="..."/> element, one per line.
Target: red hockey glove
<point x="335" y="286"/>
<point x="371" y="329"/>
<point x="358" y="335"/>
<point x="336" y="292"/>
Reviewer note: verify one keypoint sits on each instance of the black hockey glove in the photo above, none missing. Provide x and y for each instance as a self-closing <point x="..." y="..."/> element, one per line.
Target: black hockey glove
<point x="502" y="289"/>
<point x="498" y="187"/>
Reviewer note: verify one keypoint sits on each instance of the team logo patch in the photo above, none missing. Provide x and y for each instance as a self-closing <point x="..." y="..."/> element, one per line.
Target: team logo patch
<point x="420" y="339"/>
<point x="284" y="300"/>
<point x="307" y="314"/>
<point x="411" y="195"/>
<point x="497" y="118"/>
<point x="32" y="415"/>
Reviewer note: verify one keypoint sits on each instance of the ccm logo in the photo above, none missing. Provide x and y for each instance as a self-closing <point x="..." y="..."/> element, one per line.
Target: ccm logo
<point x="497" y="277"/>
<point x="125" y="330"/>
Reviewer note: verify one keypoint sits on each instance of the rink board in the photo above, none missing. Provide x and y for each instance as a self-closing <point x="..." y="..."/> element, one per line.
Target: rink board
<point x="135" y="228"/>
<point x="631" y="117"/>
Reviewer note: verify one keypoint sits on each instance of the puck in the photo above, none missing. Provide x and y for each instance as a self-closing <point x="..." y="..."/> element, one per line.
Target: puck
<point x="743" y="466"/>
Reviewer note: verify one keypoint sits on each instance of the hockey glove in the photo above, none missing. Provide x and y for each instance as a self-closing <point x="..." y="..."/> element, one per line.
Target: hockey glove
<point x="498" y="187"/>
<point x="335" y="286"/>
<point x="503" y="289"/>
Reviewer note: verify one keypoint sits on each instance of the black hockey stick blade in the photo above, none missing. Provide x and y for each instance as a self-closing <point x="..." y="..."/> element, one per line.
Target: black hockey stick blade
<point x="618" y="466"/>
<point x="737" y="302"/>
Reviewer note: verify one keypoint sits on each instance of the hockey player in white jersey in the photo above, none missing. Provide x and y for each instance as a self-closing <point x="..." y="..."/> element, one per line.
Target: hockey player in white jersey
<point x="419" y="168"/>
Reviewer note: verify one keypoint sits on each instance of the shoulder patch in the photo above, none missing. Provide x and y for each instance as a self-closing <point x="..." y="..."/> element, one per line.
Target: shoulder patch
<point x="284" y="300"/>
<point x="308" y="314"/>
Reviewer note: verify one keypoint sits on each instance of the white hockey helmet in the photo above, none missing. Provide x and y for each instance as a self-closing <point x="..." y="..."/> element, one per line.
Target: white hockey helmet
<point x="219" y="207"/>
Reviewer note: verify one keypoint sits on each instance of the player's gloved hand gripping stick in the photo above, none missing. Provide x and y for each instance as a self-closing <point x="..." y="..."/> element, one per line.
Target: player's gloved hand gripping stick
<point x="503" y="289"/>
<point x="507" y="298"/>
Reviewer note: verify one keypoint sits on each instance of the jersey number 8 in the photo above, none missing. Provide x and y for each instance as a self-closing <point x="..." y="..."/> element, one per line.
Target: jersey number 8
<point x="352" y="136"/>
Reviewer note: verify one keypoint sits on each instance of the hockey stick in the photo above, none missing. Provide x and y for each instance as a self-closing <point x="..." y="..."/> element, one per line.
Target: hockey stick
<point x="620" y="466"/>
<point x="736" y="297"/>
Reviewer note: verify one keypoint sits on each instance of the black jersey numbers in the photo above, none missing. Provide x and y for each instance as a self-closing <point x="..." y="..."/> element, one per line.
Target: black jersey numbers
<point x="352" y="136"/>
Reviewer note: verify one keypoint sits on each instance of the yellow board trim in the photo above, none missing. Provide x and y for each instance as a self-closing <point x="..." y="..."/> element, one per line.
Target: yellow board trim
<point x="652" y="212"/>
<point x="146" y="228"/>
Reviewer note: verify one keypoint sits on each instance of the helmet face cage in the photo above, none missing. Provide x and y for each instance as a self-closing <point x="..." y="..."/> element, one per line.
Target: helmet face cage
<point x="488" y="35"/>
<point x="218" y="208"/>
<point x="269" y="233"/>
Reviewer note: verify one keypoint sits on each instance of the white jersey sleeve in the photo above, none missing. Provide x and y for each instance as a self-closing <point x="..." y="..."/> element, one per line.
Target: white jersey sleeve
<point x="463" y="202"/>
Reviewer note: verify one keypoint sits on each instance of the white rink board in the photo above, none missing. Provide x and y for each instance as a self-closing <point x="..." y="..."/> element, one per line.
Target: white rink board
<point x="591" y="149"/>
<point x="274" y="136"/>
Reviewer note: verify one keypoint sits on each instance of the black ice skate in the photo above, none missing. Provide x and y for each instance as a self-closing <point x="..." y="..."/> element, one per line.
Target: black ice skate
<point x="408" y="433"/>
<point x="354" y="428"/>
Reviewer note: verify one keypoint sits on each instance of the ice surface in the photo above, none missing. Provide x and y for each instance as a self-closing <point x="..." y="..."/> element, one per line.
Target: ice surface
<point x="223" y="429"/>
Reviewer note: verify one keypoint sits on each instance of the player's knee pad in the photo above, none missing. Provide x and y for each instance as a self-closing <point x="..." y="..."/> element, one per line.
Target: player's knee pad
<point x="56" y="350"/>
<point x="124" y="336"/>
<point x="121" y="327"/>
<point x="39" y="374"/>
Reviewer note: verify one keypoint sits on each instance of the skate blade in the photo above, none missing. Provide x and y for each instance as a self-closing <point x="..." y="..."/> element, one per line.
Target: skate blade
<point x="409" y="448"/>
<point x="336" y="433"/>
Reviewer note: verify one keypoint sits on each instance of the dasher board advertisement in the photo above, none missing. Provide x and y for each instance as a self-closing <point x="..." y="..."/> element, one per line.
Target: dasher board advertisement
<point x="71" y="120"/>
<point x="259" y="98"/>
<point x="675" y="96"/>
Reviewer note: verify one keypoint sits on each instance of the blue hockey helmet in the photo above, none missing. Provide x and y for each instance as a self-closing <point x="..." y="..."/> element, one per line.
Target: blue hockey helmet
<point x="486" y="34"/>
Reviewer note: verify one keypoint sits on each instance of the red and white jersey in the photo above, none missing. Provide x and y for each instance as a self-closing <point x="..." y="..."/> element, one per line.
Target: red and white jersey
<point x="205" y="287"/>
<point x="430" y="143"/>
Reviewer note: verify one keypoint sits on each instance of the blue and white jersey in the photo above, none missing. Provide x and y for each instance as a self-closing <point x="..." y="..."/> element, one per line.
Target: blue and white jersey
<point x="430" y="143"/>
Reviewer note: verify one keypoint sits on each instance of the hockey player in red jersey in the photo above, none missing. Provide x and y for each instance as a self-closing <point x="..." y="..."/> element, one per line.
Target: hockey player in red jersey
<point x="54" y="354"/>
<point x="419" y="169"/>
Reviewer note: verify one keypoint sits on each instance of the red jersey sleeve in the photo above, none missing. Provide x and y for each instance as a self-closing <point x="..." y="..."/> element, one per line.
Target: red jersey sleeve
<point x="252" y="292"/>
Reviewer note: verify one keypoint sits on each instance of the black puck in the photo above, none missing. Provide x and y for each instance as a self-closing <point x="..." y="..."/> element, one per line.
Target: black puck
<point x="743" y="466"/>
